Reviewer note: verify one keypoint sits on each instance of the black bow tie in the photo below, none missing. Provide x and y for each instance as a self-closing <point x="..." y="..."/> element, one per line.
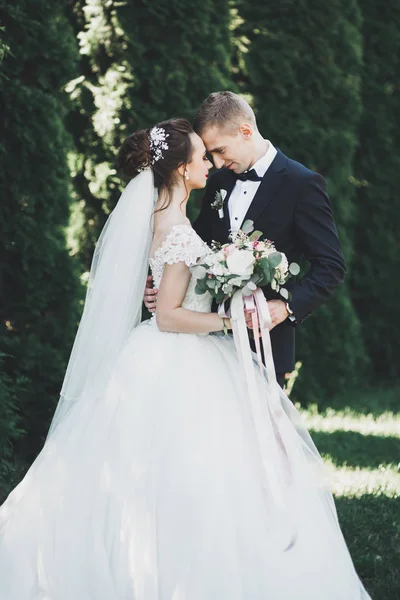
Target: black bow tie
<point x="249" y="176"/>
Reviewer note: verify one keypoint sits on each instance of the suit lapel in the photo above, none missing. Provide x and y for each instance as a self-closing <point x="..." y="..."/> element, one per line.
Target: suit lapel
<point x="268" y="187"/>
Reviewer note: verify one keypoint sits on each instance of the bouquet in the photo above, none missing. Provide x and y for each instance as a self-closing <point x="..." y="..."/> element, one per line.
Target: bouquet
<point x="243" y="264"/>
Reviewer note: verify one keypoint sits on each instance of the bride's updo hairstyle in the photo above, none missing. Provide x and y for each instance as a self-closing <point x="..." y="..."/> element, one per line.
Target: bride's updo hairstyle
<point x="163" y="148"/>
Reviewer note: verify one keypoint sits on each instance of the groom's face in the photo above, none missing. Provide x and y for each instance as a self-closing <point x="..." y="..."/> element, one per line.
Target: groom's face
<point x="230" y="149"/>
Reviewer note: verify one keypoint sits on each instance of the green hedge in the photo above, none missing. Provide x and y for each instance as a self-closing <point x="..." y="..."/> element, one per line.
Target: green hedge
<point x="141" y="62"/>
<point x="302" y="70"/>
<point x="374" y="283"/>
<point x="39" y="285"/>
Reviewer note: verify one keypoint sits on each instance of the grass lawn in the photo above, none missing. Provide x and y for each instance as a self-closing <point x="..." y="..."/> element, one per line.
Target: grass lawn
<point x="360" y="443"/>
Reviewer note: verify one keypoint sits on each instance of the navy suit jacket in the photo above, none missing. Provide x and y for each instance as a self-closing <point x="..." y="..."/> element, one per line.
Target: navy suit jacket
<point x="291" y="208"/>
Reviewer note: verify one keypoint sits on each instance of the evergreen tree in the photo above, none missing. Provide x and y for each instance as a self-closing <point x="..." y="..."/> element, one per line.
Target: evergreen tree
<point x="142" y="62"/>
<point x="9" y="418"/>
<point x="302" y="69"/>
<point x="375" y="286"/>
<point x="38" y="284"/>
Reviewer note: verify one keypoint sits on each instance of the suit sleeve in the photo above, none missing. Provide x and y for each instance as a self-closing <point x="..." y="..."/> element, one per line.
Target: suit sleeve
<point x="318" y="239"/>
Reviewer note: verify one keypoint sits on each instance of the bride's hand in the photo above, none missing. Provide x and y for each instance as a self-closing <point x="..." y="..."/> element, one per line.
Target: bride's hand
<point x="249" y="323"/>
<point x="150" y="295"/>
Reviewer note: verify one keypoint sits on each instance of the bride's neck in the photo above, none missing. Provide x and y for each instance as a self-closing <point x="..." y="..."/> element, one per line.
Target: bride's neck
<point x="174" y="202"/>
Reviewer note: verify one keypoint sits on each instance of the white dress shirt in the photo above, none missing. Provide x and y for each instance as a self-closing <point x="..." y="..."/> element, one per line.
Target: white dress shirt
<point x="244" y="191"/>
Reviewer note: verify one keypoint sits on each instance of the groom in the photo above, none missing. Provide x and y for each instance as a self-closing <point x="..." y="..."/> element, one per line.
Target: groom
<point x="287" y="202"/>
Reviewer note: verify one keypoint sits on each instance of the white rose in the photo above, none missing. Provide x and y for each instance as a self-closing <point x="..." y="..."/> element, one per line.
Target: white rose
<point x="241" y="262"/>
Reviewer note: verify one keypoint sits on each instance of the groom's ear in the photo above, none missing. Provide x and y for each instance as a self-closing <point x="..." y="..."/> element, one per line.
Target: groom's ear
<point x="246" y="130"/>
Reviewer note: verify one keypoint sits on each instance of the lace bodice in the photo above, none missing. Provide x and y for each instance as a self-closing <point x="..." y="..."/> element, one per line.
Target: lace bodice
<point x="182" y="244"/>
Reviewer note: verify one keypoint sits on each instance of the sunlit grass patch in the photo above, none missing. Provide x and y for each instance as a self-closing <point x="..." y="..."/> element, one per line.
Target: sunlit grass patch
<point x="355" y="482"/>
<point x="347" y="419"/>
<point x="361" y="451"/>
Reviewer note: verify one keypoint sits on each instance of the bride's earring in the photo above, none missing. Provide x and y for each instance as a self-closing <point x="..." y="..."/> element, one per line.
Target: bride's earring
<point x="186" y="175"/>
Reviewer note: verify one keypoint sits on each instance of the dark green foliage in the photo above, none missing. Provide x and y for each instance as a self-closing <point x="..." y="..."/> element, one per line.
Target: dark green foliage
<point x="38" y="285"/>
<point x="11" y="466"/>
<point x="375" y="285"/>
<point x="302" y="70"/>
<point x="141" y="62"/>
<point x="4" y="49"/>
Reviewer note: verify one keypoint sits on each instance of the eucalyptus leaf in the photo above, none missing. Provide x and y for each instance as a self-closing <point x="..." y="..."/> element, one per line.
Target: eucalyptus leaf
<point x="275" y="259"/>
<point x="294" y="268"/>
<point x="255" y="278"/>
<point x="284" y="293"/>
<point x="266" y="280"/>
<point x="263" y="265"/>
<point x="199" y="272"/>
<point x="256" y="234"/>
<point x="201" y="286"/>
<point x="247" y="226"/>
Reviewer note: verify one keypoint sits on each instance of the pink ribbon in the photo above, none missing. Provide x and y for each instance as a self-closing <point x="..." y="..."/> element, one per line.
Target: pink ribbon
<point x="264" y="393"/>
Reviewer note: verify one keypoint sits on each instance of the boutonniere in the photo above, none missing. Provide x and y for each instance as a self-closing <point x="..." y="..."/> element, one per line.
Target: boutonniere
<point x="218" y="202"/>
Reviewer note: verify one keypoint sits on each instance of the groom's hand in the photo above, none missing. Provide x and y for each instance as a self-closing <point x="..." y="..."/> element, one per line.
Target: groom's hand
<point x="150" y="295"/>
<point x="278" y="312"/>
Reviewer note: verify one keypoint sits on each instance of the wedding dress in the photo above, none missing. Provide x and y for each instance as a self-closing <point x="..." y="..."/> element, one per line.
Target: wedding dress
<point x="157" y="490"/>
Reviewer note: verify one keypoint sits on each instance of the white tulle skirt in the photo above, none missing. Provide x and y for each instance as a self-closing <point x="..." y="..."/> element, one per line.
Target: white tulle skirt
<point x="156" y="491"/>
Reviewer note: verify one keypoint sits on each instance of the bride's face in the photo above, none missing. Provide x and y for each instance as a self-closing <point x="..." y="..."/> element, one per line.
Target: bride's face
<point x="199" y="165"/>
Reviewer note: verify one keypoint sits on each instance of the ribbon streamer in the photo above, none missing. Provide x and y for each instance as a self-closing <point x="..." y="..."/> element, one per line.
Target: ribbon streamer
<point x="264" y="394"/>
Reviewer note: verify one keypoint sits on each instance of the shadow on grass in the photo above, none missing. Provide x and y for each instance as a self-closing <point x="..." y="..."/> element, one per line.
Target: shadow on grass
<point x="371" y="526"/>
<point x="357" y="450"/>
<point x="365" y="401"/>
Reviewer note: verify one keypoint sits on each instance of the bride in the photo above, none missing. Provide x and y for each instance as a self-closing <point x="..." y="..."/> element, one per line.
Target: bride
<point x="161" y="477"/>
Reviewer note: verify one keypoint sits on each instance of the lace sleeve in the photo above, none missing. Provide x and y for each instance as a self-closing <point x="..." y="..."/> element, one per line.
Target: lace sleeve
<point x="182" y="244"/>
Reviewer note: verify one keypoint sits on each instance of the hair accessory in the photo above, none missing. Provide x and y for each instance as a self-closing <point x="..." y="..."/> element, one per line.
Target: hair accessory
<point x="158" y="135"/>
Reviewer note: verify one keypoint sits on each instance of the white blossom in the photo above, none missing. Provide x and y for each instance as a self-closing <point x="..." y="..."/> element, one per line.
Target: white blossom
<point x="218" y="269"/>
<point x="236" y="281"/>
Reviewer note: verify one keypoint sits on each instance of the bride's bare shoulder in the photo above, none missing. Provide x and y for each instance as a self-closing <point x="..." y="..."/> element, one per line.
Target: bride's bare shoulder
<point x="162" y="228"/>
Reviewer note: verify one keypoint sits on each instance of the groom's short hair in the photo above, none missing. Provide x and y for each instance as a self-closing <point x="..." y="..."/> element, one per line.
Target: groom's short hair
<point x="224" y="110"/>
